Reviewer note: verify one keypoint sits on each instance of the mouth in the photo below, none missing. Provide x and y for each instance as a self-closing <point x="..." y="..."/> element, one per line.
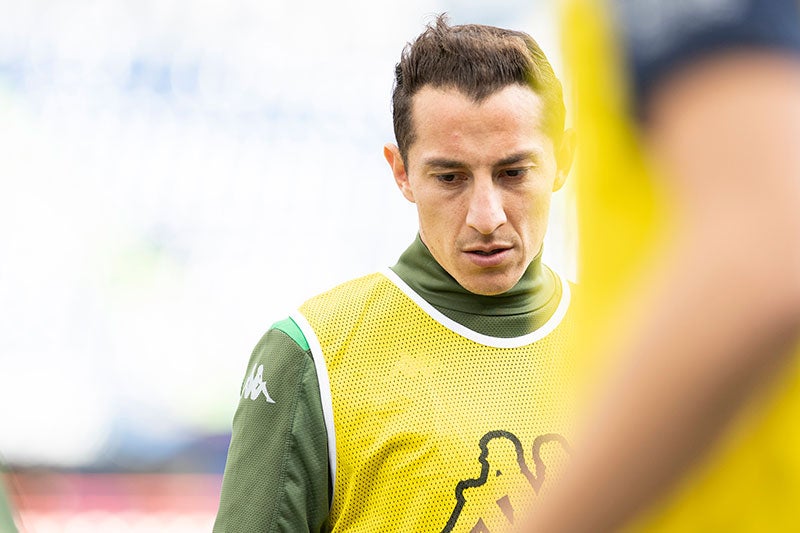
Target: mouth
<point x="488" y="252"/>
<point x="489" y="256"/>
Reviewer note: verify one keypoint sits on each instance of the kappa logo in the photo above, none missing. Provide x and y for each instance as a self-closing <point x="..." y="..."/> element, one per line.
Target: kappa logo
<point x="254" y="385"/>
<point x="507" y="485"/>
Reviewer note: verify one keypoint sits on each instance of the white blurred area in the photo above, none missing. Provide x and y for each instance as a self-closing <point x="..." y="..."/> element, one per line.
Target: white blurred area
<point x="178" y="175"/>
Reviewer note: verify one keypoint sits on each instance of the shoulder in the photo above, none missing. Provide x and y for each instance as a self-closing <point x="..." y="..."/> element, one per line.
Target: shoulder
<point x="279" y="360"/>
<point x="346" y="297"/>
<point x="361" y="285"/>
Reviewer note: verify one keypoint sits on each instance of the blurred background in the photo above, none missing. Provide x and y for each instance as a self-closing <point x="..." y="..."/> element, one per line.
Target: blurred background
<point x="176" y="176"/>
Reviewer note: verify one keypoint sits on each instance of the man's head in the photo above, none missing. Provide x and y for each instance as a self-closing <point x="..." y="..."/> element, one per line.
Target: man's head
<point x="479" y="118"/>
<point x="478" y="61"/>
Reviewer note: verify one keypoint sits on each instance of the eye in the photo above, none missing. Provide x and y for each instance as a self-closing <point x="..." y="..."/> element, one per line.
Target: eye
<point x="447" y="178"/>
<point x="514" y="172"/>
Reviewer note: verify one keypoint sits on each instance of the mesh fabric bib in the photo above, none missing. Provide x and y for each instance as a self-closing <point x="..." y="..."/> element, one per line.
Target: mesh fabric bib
<point x="437" y="428"/>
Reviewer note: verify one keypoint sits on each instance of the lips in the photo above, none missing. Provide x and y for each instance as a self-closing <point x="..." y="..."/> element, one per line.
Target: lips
<point x="490" y="252"/>
<point x="487" y="249"/>
<point x="488" y="256"/>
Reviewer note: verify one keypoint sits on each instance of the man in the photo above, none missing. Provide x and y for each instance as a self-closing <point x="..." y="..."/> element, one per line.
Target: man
<point x="704" y="403"/>
<point x="400" y="401"/>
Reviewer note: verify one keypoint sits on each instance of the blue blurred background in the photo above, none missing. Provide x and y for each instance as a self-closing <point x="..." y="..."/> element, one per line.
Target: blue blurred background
<point x="176" y="176"/>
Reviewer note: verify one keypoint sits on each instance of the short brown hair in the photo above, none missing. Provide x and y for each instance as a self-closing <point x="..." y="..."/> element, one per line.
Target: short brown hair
<point x="478" y="61"/>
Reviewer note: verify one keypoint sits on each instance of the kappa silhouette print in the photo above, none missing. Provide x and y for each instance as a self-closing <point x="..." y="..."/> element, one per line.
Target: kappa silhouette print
<point x="506" y="484"/>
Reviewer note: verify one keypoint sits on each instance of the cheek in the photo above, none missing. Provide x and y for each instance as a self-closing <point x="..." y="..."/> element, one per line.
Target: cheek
<point x="530" y="205"/>
<point x="430" y="219"/>
<point x="532" y="215"/>
<point x="441" y="212"/>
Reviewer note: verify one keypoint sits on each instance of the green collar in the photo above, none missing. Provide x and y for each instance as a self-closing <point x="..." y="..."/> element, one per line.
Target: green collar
<point x="522" y="309"/>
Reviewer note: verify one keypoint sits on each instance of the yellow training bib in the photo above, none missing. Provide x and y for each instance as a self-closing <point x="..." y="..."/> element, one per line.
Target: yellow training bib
<point x="437" y="427"/>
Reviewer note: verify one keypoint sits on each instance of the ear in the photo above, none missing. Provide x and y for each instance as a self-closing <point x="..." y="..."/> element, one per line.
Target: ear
<point x="564" y="157"/>
<point x="392" y="154"/>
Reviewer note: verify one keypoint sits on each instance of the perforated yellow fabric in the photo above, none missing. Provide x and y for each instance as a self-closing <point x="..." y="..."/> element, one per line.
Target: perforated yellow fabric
<point x="435" y="432"/>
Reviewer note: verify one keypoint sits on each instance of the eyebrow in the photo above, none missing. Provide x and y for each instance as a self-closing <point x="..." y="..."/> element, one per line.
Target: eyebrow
<point x="533" y="155"/>
<point x="442" y="162"/>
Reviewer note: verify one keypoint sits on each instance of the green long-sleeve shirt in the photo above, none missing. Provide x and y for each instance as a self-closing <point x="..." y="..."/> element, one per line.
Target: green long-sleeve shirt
<point x="277" y="474"/>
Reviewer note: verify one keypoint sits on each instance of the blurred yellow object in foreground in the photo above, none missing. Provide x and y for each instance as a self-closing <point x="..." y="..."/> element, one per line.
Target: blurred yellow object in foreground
<point x="751" y="482"/>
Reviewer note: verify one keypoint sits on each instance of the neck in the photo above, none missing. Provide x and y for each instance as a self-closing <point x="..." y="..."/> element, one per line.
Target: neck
<point x="529" y="303"/>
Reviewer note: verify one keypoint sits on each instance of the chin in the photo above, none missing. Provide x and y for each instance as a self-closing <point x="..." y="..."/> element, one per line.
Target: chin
<point x="488" y="289"/>
<point x="488" y="292"/>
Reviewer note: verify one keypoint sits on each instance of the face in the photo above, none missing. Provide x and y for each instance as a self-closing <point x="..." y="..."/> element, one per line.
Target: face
<point x="481" y="176"/>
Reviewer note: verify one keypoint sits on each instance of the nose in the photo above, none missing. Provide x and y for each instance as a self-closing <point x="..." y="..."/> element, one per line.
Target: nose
<point x="486" y="212"/>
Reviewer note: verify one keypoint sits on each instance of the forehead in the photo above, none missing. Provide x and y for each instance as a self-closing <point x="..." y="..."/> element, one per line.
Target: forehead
<point x="448" y="122"/>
